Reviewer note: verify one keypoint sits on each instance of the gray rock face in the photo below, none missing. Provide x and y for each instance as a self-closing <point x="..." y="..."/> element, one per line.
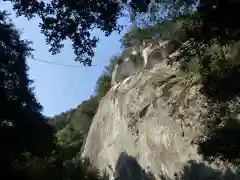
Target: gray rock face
<point x="146" y="128"/>
<point x="146" y="58"/>
<point x="126" y="68"/>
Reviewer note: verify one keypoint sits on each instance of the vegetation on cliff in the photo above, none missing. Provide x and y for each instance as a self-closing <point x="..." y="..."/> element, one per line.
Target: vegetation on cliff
<point x="211" y="58"/>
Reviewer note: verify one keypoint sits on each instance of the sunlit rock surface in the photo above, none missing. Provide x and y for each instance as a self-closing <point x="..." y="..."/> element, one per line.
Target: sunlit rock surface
<point x="146" y="128"/>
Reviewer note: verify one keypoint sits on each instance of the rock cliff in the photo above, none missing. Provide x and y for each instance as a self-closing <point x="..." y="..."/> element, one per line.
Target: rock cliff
<point x="146" y="127"/>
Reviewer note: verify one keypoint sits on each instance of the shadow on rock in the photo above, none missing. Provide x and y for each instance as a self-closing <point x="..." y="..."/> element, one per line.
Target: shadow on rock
<point x="128" y="168"/>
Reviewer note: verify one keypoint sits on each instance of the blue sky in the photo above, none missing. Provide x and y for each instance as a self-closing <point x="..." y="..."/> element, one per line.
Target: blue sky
<point x="61" y="88"/>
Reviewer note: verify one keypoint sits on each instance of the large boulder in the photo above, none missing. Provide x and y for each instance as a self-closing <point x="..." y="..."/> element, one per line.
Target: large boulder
<point x="146" y="127"/>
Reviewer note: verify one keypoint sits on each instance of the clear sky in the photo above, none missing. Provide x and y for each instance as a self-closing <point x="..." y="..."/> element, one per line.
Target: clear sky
<point x="61" y="88"/>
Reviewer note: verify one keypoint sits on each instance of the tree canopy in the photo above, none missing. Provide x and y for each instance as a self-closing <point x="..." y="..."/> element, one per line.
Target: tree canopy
<point x="22" y="126"/>
<point x="75" y="20"/>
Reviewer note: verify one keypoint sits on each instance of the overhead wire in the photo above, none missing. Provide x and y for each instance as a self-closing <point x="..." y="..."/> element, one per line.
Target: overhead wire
<point x="58" y="64"/>
<point x="50" y="62"/>
<point x="64" y="65"/>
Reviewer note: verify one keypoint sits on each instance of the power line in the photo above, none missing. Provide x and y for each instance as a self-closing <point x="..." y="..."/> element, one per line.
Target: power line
<point x="58" y="64"/>
<point x="49" y="62"/>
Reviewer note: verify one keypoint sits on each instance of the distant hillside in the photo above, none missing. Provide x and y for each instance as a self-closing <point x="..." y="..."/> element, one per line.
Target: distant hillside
<point x="73" y="125"/>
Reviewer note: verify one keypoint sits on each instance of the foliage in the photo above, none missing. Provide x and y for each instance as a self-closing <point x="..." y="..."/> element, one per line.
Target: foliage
<point x="66" y="162"/>
<point x="83" y="115"/>
<point x="29" y="150"/>
<point x="74" y="20"/>
<point x="56" y="167"/>
<point x="61" y="120"/>
<point x="165" y="30"/>
<point x="104" y="81"/>
<point x="222" y="142"/>
<point x="216" y="48"/>
<point x="22" y="126"/>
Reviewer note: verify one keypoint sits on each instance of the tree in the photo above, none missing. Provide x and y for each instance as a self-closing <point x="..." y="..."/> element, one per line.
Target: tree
<point x="29" y="150"/>
<point x="74" y="20"/>
<point x="104" y="81"/>
<point x="164" y="30"/>
<point x="22" y="126"/>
